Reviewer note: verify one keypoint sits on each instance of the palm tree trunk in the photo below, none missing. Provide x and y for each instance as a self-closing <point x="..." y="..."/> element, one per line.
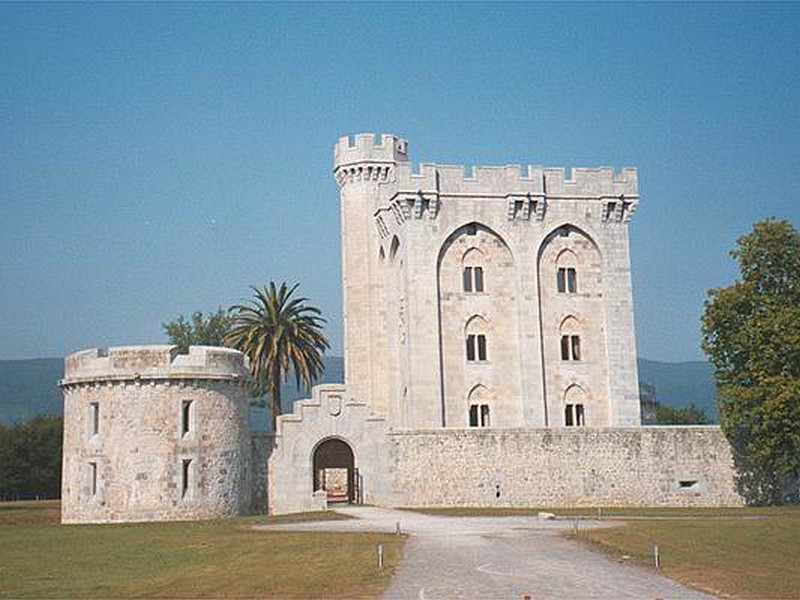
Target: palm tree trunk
<point x="275" y="393"/>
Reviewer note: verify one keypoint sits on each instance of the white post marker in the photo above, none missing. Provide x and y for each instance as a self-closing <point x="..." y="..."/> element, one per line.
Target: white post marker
<point x="656" y="556"/>
<point x="380" y="556"/>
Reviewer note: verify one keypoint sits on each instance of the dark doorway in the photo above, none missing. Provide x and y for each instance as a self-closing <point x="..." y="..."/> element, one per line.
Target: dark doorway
<point x="334" y="471"/>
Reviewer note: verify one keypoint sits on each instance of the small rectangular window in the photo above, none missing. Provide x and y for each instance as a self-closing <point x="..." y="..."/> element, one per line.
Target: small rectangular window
<point x="564" y="347"/>
<point x="576" y="347"/>
<point x="579" y="415"/>
<point x="470" y="347"/>
<point x="568" y="416"/>
<point x="186" y="417"/>
<point x="561" y="282"/>
<point x="467" y="279"/>
<point x="481" y="347"/>
<point x="93" y="479"/>
<point x="484" y="415"/>
<point x="473" y="415"/>
<point x="94" y="418"/>
<point x="572" y="281"/>
<point x="186" y="465"/>
<point x="478" y="279"/>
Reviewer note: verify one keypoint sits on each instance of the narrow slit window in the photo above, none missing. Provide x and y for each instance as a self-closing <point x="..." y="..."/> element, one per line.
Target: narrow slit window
<point x="186" y="417"/>
<point x="564" y="347"/>
<point x="186" y="466"/>
<point x="572" y="281"/>
<point x="561" y="280"/>
<point x="481" y="347"/>
<point x="93" y="479"/>
<point x="478" y="271"/>
<point x="467" y="279"/>
<point x="473" y="415"/>
<point x="94" y="418"/>
<point x="568" y="415"/>
<point x="470" y="347"/>
<point x="484" y="415"/>
<point x="579" y="420"/>
<point x="576" y="347"/>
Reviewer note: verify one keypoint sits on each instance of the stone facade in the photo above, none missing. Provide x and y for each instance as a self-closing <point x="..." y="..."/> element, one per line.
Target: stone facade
<point x="151" y="434"/>
<point x="490" y="353"/>
<point x="490" y="360"/>
<point x="635" y="466"/>
<point x="552" y="252"/>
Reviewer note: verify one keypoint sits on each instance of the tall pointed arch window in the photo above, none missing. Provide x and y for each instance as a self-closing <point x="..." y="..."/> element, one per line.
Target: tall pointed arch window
<point x="570" y="339"/>
<point x="575" y="407"/>
<point x="567" y="272"/>
<point x="472" y="274"/>
<point x="476" y="333"/>
<point x="479" y="407"/>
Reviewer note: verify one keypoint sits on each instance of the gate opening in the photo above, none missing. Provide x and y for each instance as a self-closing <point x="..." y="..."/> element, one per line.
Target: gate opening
<point x="335" y="472"/>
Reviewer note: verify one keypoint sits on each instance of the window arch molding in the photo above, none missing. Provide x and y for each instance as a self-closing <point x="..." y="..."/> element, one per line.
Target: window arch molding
<point x="575" y="402"/>
<point x="557" y="231"/>
<point x="476" y="334"/>
<point x="479" y="406"/>
<point x="464" y="229"/>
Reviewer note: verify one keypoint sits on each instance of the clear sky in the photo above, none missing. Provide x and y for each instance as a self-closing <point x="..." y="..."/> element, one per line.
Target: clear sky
<point x="159" y="159"/>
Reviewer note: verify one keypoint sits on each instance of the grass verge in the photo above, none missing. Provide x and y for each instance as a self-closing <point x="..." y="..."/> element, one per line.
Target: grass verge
<point x="40" y="558"/>
<point x="737" y="558"/>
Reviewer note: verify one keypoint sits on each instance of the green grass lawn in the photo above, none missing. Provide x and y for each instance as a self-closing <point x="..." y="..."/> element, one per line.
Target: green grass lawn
<point x="39" y="558"/>
<point x="756" y="558"/>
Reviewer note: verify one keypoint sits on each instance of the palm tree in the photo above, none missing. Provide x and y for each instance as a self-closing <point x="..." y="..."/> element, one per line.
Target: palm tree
<point x="279" y="333"/>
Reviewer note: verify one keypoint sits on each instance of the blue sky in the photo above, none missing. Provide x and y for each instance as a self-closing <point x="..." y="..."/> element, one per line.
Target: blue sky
<point x="159" y="159"/>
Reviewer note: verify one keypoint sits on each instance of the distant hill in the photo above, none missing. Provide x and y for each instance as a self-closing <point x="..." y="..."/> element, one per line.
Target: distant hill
<point x="683" y="383"/>
<point x="29" y="387"/>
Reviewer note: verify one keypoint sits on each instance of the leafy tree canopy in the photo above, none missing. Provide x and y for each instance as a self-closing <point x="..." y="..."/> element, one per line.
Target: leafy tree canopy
<point x="199" y="329"/>
<point x="30" y="459"/>
<point x="751" y="334"/>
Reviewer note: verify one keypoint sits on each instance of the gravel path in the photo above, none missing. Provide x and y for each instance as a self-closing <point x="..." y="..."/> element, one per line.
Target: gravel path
<point x="500" y="557"/>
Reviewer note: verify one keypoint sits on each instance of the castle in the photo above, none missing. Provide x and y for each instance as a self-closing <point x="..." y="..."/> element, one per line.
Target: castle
<point x="490" y="359"/>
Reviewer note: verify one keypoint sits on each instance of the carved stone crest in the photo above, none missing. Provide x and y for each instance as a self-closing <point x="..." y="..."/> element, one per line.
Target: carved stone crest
<point x="334" y="405"/>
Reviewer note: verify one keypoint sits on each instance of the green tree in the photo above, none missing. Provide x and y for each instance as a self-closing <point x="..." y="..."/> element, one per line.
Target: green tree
<point x="688" y="415"/>
<point x="198" y="330"/>
<point x="751" y="333"/>
<point x="280" y="334"/>
<point x="30" y="459"/>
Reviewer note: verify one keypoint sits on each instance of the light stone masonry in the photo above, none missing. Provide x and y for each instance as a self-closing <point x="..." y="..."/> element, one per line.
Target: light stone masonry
<point x="151" y="434"/>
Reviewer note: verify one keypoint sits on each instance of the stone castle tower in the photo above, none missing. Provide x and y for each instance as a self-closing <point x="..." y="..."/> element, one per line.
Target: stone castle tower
<point x="500" y="297"/>
<point x="490" y="360"/>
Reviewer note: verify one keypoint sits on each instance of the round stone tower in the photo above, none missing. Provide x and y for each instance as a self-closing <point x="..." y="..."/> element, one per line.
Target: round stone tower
<point x="152" y="434"/>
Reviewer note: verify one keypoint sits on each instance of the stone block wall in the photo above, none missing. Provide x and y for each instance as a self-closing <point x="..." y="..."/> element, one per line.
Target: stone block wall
<point x="648" y="466"/>
<point x="151" y="434"/>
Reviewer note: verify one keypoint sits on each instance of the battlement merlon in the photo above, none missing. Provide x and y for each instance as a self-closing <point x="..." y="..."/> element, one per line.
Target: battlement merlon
<point x="155" y="362"/>
<point x="369" y="148"/>
<point x="501" y="181"/>
<point x="369" y="157"/>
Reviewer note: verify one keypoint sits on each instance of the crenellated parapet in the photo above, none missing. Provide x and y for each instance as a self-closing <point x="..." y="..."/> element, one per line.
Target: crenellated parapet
<point x="367" y="157"/>
<point x="157" y="362"/>
<point x="417" y="190"/>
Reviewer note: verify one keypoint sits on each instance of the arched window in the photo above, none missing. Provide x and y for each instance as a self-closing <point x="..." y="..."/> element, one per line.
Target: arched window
<point x="472" y="271"/>
<point x="574" y="403"/>
<point x="395" y="246"/>
<point x="570" y="339"/>
<point x="479" y="411"/>
<point x="567" y="272"/>
<point x="476" y="332"/>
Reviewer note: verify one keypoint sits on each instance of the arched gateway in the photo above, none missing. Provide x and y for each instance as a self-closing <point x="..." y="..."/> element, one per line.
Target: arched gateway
<point x="335" y="472"/>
